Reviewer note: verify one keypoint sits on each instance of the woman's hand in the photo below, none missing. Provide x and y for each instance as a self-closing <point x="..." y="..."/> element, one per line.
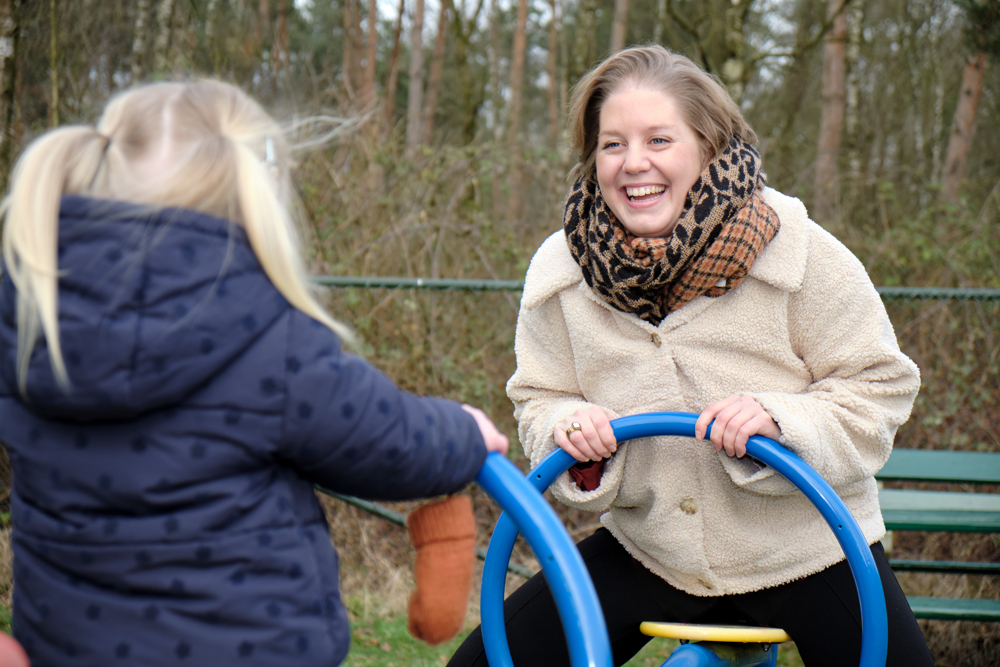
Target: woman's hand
<point x="736" y="419"/>
<point x="494" y="439"/>
<point x="593" y="440"/>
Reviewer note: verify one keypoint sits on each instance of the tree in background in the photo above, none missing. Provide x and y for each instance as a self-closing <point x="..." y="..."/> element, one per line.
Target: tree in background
<point x="983" y="35"/>
<point x="450" y="81"/>
<point x="164" y="16"/>
<point x="618" y="27"/>
<point x="832" y="115"/>
<point x="720" y="34"/>
<point x="516" y="206"/>
<point x="10" y="48"/>
<point x="415" y="102"/>
<point x="437" y="65"/>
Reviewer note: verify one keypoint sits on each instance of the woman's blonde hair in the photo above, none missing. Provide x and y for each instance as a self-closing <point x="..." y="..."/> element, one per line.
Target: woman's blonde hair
<point x="213" y="149"/>
<point x="701" y="98"/>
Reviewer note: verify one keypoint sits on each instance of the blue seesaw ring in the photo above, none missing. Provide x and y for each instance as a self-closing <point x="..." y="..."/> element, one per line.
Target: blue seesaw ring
<point x="586" y="633"/>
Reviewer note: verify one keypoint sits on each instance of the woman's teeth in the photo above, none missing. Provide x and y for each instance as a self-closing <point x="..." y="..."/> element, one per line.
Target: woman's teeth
<point x="644" y="191"/>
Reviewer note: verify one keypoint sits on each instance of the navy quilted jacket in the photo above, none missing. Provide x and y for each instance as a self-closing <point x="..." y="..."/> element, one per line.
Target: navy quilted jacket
<point x="164" y="509"/>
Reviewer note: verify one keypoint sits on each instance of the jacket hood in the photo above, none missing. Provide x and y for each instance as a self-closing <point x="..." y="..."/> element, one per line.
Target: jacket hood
<point x="152" y="303"/>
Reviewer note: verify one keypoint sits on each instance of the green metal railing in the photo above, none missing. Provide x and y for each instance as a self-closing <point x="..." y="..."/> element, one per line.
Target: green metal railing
<point x="449" y="284"/>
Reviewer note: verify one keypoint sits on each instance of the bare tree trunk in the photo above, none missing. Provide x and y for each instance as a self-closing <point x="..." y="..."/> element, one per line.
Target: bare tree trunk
<point x="280" y="59"/>
<point x="12" y="37"/>
<point x="618" y="26"/>
<point x="827" y="183"/>
<point x="139" y="41"/>
<point x="164" y="14"/>
<point x="391" y="85"/>
<point x="496" y="106"/>
<point x="563" y="66"/>
<point x="368" y="96"/>
<point x="434" y="83"/>
<point x="496" y="100"/>
<point x="962" y="126"/>
<point x="53" y="65"/>
<point x="583" y="48"/>
<point x="350" y="25"/>
<point x="661" y="18"/>
<point x="918" y="169"/>
<point x="7" y="27"/>
<point x="517" y="75"/>
<point x="734" y="70"/>
<point x="853" y="56"/>
<point x="937" y="126"/>
<point x="553" y="81"/>
<point x="265" y="18"/>
<point x="414" y="100"/>
<point x="514" y="117"/>
<point x="471" y="93"/>
<point x="211" y="16"/>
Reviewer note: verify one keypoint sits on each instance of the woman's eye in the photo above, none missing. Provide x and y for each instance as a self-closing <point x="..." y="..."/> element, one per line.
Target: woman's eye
<point x="611" y="144"/>
<point x="659" y="141"/>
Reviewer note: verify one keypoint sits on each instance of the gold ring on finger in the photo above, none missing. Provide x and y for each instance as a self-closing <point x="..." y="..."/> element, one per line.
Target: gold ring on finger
<point x="575" y="426"/>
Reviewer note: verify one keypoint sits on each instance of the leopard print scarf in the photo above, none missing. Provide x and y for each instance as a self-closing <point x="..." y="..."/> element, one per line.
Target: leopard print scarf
<point x="724" y="224"/>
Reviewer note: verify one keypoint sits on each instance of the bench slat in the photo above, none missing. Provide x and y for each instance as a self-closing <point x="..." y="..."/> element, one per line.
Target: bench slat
<point x="904" y="509"/>
<point x="944" y="566"/>
<point x="926" y="465"/>
<point x="954" y="609"/>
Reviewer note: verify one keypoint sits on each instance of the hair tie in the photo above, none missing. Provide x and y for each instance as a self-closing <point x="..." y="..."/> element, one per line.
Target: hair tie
<point x="269" y="160"/>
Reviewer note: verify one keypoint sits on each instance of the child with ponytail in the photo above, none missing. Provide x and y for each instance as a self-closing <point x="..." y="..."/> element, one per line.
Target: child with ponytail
<point x="171" y="390"/>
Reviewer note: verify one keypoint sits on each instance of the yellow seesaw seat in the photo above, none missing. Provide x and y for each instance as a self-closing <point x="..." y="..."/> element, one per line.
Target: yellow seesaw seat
<point x="715" y="633"/>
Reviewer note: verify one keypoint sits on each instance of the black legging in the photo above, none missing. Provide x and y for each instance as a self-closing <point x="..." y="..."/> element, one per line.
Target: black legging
<point x="821" y="613"/>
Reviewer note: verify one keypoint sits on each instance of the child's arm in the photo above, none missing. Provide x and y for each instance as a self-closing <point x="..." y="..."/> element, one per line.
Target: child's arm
<point x="350" y="429"/>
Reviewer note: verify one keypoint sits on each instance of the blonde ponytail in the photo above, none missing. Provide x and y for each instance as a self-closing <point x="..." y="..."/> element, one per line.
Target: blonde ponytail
<point x="63" y="160"/>
<point x="199" y="146"/>
<point x="274" y="235"/>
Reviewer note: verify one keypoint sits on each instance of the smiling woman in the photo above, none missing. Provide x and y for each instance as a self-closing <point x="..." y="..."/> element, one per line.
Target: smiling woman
<point x="681" y="282"/>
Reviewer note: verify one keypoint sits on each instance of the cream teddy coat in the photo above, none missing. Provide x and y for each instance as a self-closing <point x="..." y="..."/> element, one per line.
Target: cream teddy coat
<point x="805" y="334"/>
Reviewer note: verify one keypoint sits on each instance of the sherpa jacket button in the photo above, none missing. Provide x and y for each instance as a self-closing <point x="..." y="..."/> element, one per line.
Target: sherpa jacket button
<point x="689" y="505"/>
<point x="655" y="338"/>
<point x="705" y="584"/>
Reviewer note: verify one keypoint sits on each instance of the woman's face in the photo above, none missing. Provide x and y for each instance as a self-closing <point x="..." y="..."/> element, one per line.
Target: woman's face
<point x="648" y="158"/>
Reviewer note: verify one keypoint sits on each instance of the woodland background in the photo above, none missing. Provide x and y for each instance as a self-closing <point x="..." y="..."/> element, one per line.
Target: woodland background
<point x="433" y="144"/>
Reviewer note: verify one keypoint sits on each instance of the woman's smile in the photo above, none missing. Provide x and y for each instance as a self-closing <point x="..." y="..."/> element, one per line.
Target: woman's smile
<point x="644" y="193"/>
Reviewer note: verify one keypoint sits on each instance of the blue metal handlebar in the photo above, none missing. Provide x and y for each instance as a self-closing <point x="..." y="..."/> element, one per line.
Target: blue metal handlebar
<point x="566" y="574"/>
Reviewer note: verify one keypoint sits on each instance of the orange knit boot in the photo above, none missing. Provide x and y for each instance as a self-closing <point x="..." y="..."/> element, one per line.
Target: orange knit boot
<point x="444" y="535"/>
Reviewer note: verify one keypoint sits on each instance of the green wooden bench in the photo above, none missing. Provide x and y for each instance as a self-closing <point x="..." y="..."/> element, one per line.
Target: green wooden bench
<point x="946" y="511"/>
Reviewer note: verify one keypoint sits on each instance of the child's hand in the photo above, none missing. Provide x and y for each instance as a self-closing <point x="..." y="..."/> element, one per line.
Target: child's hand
<point x="736" y="419"/>
<point x="494" y="439"/>
<point x="586" y="435"/>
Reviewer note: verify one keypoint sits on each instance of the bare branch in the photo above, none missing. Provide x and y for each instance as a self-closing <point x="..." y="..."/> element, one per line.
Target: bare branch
<point x="808" y="44"/>
<point x="679" y="20"/>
